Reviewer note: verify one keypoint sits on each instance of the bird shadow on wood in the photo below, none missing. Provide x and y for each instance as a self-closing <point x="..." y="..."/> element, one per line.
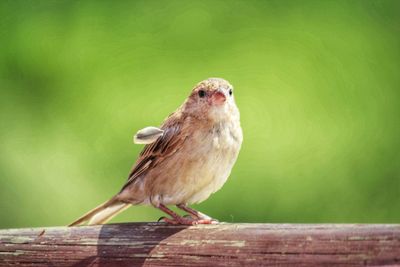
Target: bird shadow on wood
<point x="123" y="245"/>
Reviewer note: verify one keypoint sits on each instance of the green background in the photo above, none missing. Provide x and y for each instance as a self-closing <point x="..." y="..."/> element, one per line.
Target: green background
<point x="317" y="84"/>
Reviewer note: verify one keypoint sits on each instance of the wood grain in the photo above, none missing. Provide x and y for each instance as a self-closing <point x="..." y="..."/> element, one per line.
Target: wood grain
<point x="158" y="244"/>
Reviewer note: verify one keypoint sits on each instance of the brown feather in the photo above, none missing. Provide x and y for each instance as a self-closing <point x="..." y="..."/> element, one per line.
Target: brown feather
<point x="87" y="216"/>
<point x="155" y="153"/>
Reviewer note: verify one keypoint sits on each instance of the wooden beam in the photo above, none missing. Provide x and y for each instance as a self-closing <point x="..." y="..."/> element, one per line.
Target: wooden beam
<point x="158" y="244"/>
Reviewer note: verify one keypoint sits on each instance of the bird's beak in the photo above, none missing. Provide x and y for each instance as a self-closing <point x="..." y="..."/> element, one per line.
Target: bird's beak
<point x="218" y="97"/>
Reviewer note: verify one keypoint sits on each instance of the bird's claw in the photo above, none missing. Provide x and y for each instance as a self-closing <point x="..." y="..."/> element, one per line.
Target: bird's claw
<point x="161" y="219"/>
<point x="188" y="221"/>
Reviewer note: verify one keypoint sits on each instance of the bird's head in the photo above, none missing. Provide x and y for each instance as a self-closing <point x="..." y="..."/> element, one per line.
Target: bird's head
<point x="212" y="98"/>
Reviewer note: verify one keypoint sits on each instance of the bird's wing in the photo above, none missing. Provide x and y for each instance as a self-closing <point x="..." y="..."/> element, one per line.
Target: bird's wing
<point x="166" y="145"/>
<point x="147" y="135"/>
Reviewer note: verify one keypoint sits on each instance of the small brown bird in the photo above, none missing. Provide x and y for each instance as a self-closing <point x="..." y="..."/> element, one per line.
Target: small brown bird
<point x="185" y="160"/>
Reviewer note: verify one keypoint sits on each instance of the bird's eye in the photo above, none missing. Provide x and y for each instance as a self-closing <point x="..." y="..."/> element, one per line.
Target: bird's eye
<point x="230" y="92"/>
<point x="202" y="93"/>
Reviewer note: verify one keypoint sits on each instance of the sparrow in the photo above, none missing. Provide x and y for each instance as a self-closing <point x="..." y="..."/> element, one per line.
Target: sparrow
<point x="185" y="160"/>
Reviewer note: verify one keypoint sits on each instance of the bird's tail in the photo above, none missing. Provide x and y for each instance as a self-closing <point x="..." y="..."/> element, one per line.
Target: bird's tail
<point x="102" y="213"/>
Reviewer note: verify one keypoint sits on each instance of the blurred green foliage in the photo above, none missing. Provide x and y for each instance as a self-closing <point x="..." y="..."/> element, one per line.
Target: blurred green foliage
<point x="317" y="83"/>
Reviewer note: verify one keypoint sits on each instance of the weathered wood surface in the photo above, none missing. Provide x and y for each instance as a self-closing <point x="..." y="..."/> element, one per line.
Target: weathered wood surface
<point x="158" y="244"/>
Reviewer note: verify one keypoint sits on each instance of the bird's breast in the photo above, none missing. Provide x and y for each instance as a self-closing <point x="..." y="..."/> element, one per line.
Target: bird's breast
<point x="218" y="152"/>
<point x="201" y="166"/>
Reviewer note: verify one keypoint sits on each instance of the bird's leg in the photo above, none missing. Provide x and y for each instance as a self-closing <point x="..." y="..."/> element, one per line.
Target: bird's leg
<point x="197" y="214"/>
<point x="176" y="219"/>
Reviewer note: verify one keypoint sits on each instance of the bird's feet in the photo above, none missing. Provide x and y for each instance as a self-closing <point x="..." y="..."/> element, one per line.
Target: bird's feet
<point x="195" y="214"/>
<point x="187" y="221"/>
<point x="195" y="218"/>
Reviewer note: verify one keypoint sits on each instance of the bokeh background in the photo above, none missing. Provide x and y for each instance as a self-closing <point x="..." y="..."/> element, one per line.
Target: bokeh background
<point x="317" y="83"/>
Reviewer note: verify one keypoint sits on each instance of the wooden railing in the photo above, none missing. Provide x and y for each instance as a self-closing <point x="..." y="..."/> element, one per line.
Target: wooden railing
<point x="158" y="244"/>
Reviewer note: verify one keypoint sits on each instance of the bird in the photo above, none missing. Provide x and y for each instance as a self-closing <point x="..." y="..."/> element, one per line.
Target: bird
<point x="185" y="160"/>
